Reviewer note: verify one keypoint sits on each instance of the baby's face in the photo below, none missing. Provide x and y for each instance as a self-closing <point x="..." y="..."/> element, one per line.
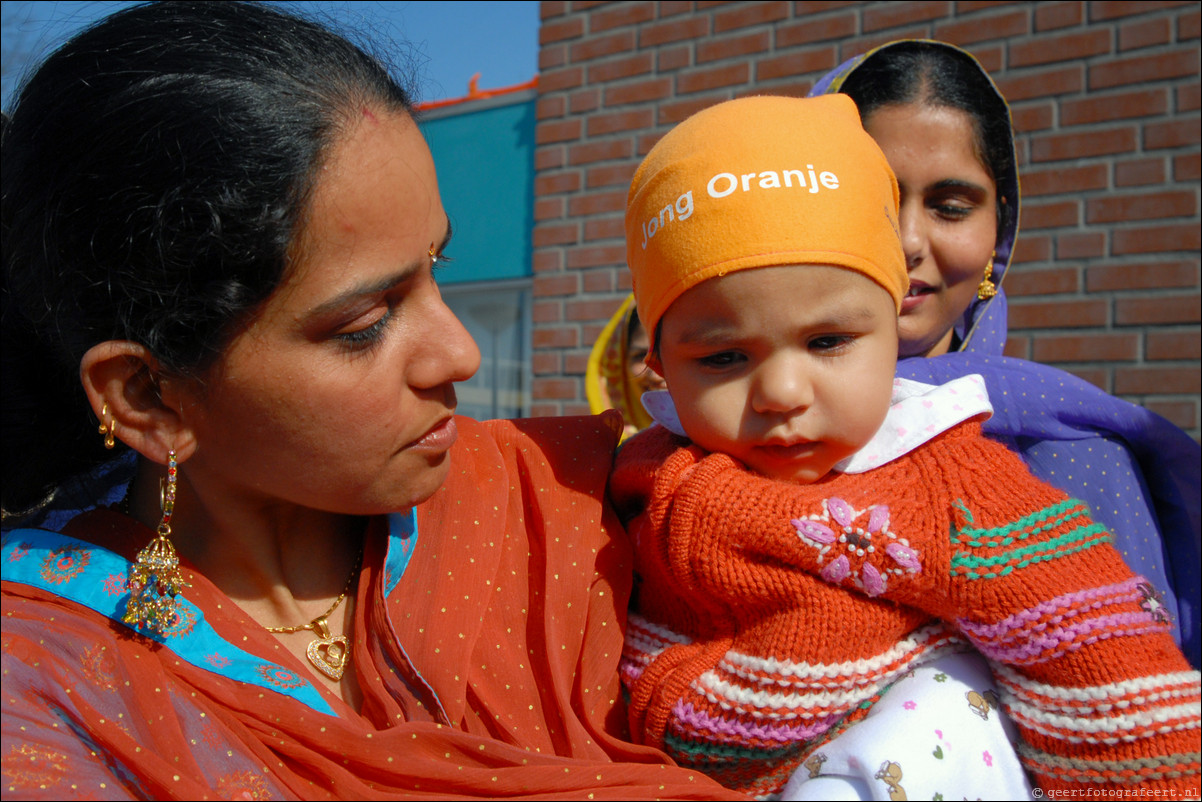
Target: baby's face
<point x="787" y="369"/>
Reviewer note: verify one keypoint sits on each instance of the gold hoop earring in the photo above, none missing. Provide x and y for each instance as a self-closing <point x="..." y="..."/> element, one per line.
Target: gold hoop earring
<point x="156" y="580"/>
<point x="987" y="289"/>
<point x="109" y="430"/>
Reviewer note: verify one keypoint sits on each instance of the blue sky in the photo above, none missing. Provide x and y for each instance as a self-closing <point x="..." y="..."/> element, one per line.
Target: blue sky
<point x="448" y="40"/>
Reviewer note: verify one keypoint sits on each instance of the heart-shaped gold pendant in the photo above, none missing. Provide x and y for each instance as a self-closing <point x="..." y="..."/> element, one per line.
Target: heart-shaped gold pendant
<point x="329" y="656"/>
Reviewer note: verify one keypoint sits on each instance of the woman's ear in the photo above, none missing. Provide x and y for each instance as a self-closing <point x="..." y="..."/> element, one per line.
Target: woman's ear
<point x="125" y="387"/>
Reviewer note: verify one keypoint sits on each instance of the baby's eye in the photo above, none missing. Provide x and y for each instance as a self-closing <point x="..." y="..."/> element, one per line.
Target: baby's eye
<point x="830" y="343"/>
<point x="723" y="359"/>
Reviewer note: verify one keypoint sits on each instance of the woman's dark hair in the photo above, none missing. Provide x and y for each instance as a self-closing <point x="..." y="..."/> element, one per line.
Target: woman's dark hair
<point x="156" y="169"/>
<point x="940" y="75"/>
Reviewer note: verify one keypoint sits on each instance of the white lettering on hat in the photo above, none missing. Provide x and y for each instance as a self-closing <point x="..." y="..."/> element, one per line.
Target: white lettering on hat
<point x="681" y="210"/>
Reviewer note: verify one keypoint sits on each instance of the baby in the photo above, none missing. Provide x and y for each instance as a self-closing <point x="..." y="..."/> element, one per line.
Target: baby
<point x="809" y="531"/>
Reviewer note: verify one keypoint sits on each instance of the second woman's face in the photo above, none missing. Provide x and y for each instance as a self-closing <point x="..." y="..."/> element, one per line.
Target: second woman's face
<point x="338" y="396"/>
<point x="948" y="217"/>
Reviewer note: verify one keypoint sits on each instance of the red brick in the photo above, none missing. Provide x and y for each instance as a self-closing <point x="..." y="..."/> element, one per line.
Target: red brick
<point x="1060" y="180"/>
<point x="796" y="63"/>
<point x="1051" y="16"/>
<point x="1097" y="377"/>
<point x="548" y="261"/>
<point x="1082" y="144"/>
<point x="1099" y="108"/>
<point x="975" y="29"/>
<point x="673" y="31"/>
<point x="550" y="284"/>
<point x="610" y="175"/>
<point x="893" y="15"/>
<point x="621" y="15"/>
<point x="562" y="389"/>
<point x="604" y="228"/>
<point x="1058" y="314"/>
<point x="549" y="158"/>
<point x="863" y="43"/>
<point x="1145" y="33"/>
<point x="1151" y="206"/>
<point x="1113" y="9"/>
<point x="1080" y="245"/>
<point x="545" y="362"/>
<point x="1172" y="134"/>
<point x="561" y="30"/>
<point x="1157" y="381"/>
<point x="1060" y="47"/>
<point x="1156" y="239"/>
<point x="1183" y="414"/>
<point x="595" y="256"/>
<point x="1055" y="214"/>
<point x="1189" y="25"/>
<point x="546" y="311"/>
<point x="673" y="58"/>
<point x="1139" y="172"/>
<point x="625" y="281"/>
<point x="577" y="410"/>
<point x="1020" y="283"/>
<point x="583" y="101"/>
<point x="1174" y="345"/>
<point x="601" y="124"/>
<point x="557" y="131"/>
<point x="1180" y="63"/>
<point x="744" y="15"/>
<point x="596" y="203"/>
<point x="670" y="8"/>
<point x="576" y="365"/>
<point x="1018" y="347"/>
<point x="590" y="309"/>
<point x="617" y="69"/>
<point x="1161" y="310"/>
<point x="599" y="281"/>
<point x="1187" y="167"/>
<point x="555" y="183"/>
<point x="638" y="92"/>
<point x="552" y="8"/>
<point x="1032" y="248"/>
<point x="555" y="337"/>
<point x="805" y="8"/>
<point x="1032" y="117"/>
<point x="548" y="209"/>
<point x="718" y="48"/>
<point x="547" y="410"/>
<point x="816" y="30"/>
<point x="552" y="56"/>
<point x="559" y="80"/>
<point x="600" y="46"/>
<point x="1189" y="98"/>
<point x="591" y="152"/>
<point x="674" y="112"/>
<point x="701" y="80"/>
<point x="548" y="107"/>
<point x="1141" y="276"/>
<point x="554" y="235"/>
<point x="1045" y="83"/>
<point x="1087" y="348"/>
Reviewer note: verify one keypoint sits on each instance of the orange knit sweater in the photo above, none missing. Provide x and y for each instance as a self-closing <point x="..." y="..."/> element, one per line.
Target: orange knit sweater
<point x="771" y="615"/>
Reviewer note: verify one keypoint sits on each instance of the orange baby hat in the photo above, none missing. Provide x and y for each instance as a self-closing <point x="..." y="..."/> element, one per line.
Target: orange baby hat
<point x="761" y="182"/>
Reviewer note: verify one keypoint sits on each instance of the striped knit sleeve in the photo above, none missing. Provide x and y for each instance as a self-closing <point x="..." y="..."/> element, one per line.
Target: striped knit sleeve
<point x="1082" y="648"/>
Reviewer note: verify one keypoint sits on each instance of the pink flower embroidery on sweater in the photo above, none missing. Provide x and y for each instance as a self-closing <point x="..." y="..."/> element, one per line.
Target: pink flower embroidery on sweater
<point x="841" y="533"/>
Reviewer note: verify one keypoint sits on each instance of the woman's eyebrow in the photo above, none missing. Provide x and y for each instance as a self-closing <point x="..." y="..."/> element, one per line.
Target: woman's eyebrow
<point x="382" y="285"/>
<point x="956" y="183"/>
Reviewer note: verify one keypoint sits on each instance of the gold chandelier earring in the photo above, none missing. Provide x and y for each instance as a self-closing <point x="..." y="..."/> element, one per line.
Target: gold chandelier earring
<point x="109" y="430"/>
<point x="987" y="289"/>
<point x="156" y="580"/>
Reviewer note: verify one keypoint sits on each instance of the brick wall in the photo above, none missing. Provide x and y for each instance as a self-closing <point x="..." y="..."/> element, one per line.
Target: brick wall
<point x="1105" y="281"/>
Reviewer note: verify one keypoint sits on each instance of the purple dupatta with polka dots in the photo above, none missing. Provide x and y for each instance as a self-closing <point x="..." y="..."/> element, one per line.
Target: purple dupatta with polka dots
<point x="1140" y="474"/>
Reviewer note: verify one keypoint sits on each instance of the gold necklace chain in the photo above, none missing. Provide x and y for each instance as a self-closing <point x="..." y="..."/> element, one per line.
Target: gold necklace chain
<point x="328" y="654"/>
